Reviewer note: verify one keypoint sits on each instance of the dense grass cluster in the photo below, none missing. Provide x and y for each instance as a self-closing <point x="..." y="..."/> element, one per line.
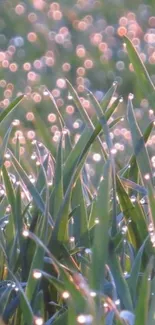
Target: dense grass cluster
<point x="71" y="252"/>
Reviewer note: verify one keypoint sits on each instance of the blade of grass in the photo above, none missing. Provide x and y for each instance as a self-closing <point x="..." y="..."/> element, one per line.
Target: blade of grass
<point x="101" y="236"/>
<point x="83" y="113"/>
<point x="134" y="275"/>
<point x="141" y="314"/>
<point x="38" y="259"/>
<point x="10" y="108"/>
<point x="142" y="159"/>
<point x="143" y="77"/>
<point x="31" y="188"/>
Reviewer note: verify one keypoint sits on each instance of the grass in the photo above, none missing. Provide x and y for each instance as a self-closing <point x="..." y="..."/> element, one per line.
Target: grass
<point x="72" y="253"/>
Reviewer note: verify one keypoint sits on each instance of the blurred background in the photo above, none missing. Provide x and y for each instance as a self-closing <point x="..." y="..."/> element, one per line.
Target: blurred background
<point x="44" y="42"/>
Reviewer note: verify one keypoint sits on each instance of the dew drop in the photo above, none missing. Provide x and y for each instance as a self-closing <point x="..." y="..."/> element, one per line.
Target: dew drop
<point x="72" y="239"/>
<point x="96" y="157"/>
<point x="37" y="274"/>
<point x="131" y="96"/>
<point x="142" y="201"/>
<point x="121" y="100"/>
<point x="124" y="229"/>
<point x="70" y="97"/>
<point x="25" y="233"/>
<point x="115" y="83"/>
<point x="45" y="93"/>
<point x="93" y="294"/>
<point x="133" y="198"/>
<point x="147" y="176"/>
<point x="85" y="319"/>
<point x="113" y="151"/>
<point x="88" y="251"/>
<point x="16" y="289"/>
<point x="65" y="295"/>
<point x="117" y="302"/>
<point x="38" y="321"/>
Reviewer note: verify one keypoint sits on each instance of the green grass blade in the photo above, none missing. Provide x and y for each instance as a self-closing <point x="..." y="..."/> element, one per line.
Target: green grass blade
<point x="132" y="171"/>
<point x="101" y="236"/>
<point x="85" y="117"/>
<point x="44" y="134"/>
<point x="142" y="159"/>
<point x="25" y="305"/>
<point x="106" y="131"/>
<point x="31" y="188"/>
<point x="80" y="215"/>
<point x="134" y="275"/>
<point x="152" y="303"/>
<point x="107" y="97"/>
<point x="10" y="108"/>
<point x="141" y="314"/>
<point x="120" y="282"/>
<point x="116" y="121"/>
<point x="38" y="259"/>
<point x="4" y="145"/>
<point x="74" y="155"/>
<point x="140" y="150"/>
<point x="12" y="225"/>
<point x="60" y="231"/>
<point x="57" y="194"/>
<point x="143" y="77"/>
<point x="137" y="228"/>
<point x="114" y="106"/>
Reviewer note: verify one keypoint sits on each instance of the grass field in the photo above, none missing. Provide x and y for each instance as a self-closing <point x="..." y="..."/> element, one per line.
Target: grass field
<point x="73" y="251"/>
<point x="77" y="162"/>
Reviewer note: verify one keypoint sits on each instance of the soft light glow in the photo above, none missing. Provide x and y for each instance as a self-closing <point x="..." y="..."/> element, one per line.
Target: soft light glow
<point x="38" y="321"/>
<point x="25" y="233"/>
<point x="85" y="319"/>
<point x="65" y="295"/>
<point x="37" y="274"/>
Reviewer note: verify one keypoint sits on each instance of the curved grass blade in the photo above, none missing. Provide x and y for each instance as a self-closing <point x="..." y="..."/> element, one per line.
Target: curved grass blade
<point x="132" y="171"/>
<point x="108" y="140"/>
<point x="141" y="314"/>
<point x="116" y="121"/>
<point x="25" y="305"/>
<point x="78" y="299"/>
<point x="4" y="145"/>
<point x="142" y="159"/>
<point x="31" y="188"/>
<point x="57" y="194"/>
<point x="114" y="106"/>
<point x="74" y="156"/>
<point x="84" y="114"/>
<point x="132" y="185"/>
<point x="61" y="120"/>
<point x="44" y="134"/>
<point x="137" y="229"/>
<point x="80" y="226"/>
<point x="38" y="259"/>
<point x="108" y="97"/>
<point x="12" y="225"/>
<point x="101" y="236"/>
<point x="140" y="150"/>
<point x="60" y="231"/>
<point x="134" y="275"/>
<point x="120" y="282"/>
<point x="10" y="108"/>
<point x="143" y="77"/>
<point x="152" y="303"/>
